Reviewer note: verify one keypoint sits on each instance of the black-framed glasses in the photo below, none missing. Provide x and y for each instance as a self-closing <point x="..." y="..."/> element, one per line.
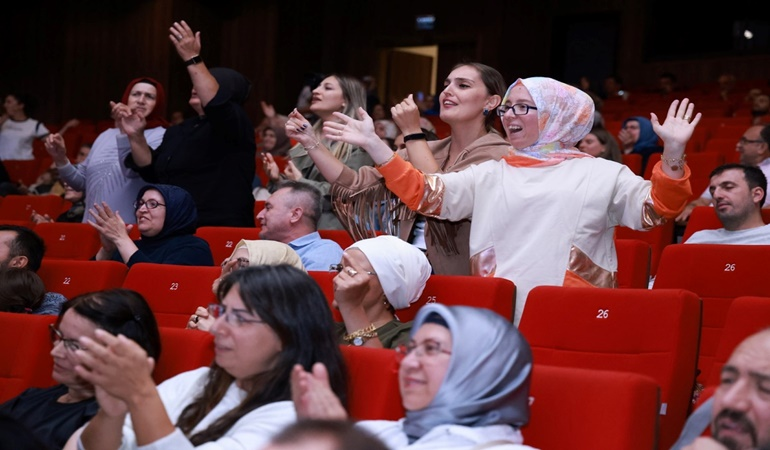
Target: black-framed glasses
<point x="338" y="268"/>
<point x="519" y="109"/>
<point x="744" y="141"/>
<point x="56" y="337"/>
<point x="150" y="204"/>
<point x="234" y="317"/>
<point x="428" y="347"/>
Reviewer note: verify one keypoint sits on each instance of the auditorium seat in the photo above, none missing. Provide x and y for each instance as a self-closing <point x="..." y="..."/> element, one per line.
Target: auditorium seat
<point x="20" y="207"/>
<point x="74" y="277"/>
<point x="373" y="391"/>
<point x="223" y="240"/>
<point x="182" y="350"/>
<point x="69" y="240"/>
<point x="25" y="346"/>
<point x="658" y="237"/>
<point x="633" y="263"/>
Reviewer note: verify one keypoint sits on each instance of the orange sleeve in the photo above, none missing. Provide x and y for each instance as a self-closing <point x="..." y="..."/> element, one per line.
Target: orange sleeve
<point x="669" y="195"/>
<point x="404" y="180"/>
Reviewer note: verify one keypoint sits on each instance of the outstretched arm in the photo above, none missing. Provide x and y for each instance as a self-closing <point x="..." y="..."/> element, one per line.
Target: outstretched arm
<point x="407" y="116"/>
<point x="360" y="133"/>
<point x="188" y="45"/>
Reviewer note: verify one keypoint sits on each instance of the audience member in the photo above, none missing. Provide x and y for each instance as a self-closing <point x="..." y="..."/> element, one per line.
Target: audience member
<point x="738" y="194"/>
<point x="270" y="319"/>
<point x="166" y="218"/>
<point x="18" y="130"/>
<point x="728" y="93"/>
<point x="22" y="247"/>
<point x="305" y="97"/>
<point x="668" y="85"/>
<point x="377" y="277"/>
<point x="600" y="143"/>
<point x="73" y="214"/>
<point x="21" y="290"/>
<point x="613" y="88"/>
<point x="738" y="412"/>
<point x="585" y="85"/>
<point x="760" y="110"/>
<point x="638" y="136"/>
<point x="379" y="112"/>
<point x="246" y="254"/>
<point x="372" y="96"/>
<point x="102" y="175"/>
<point x="464" y="381"/>
<point x="335" y="93"/>
<point x="471" y="93"/>
<point x="387" y="130"/>
<point x="572" y="202"/>
<point x="54" y="413"/>
<point x="211" y="156"/>
<point x="310" y="434"/>
<point x="755" y="151"/>
<point x="291" y="215"/>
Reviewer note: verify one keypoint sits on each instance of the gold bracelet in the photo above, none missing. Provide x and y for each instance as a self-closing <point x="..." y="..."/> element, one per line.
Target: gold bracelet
<point x="357" y="337"/>
<point x="386" y="161"/>
<point x="675" y="163"/>
<point x="313" y="147"/>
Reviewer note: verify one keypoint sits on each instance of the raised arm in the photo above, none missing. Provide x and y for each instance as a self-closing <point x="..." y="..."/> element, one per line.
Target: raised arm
<point x="188" y="46"/>
<point x="407" y="117"/>
<point x="675" y="132"/>
<point x="360" y="133"/>
<point x="300" y="129"/>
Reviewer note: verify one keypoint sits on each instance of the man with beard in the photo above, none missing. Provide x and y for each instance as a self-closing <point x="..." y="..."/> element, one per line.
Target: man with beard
<point x="738" y="194"/>
<point x="740" y="408"/>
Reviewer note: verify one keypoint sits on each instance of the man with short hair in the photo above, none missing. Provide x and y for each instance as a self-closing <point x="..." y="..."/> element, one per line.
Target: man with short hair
<point x="739" y="410"/>
<point x="291" y="216"/>
<point x="22" y="247"/>
<point x="738" y="193"/>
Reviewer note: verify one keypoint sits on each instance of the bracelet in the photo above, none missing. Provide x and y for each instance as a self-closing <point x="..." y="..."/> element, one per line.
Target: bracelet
<point x="675" y="163"/>
<point x="194" y="60"/>
<point x="356" y="336"/>
<point x="313" y="147"/>
<point x="414" y="137"/>
<point x="387" y="160"/>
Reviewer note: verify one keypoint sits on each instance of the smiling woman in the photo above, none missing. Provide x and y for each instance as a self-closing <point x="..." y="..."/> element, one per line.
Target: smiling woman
<point x="166" y="218"/>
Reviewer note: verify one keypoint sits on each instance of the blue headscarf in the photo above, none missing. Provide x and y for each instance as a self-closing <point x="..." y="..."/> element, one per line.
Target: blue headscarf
<point x="647" y="137"/>
<point x="487" y="381"/>
<point x="181" y="213"/>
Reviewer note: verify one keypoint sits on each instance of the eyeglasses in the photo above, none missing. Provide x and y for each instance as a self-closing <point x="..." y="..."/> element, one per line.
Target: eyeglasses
<point x="233" y="317"/>
<point x="241" y="264"/>
<point x="150" y="204"/>
<point x="519" y="109"/>
<point x="338" y="268"/>
<point x="56" y="337"/>
<point x="744" y="141"/>
<point x="428" y="348"/>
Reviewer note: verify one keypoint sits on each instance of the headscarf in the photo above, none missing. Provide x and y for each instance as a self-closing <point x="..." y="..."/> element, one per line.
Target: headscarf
<point x="157" y="118"/>
<point x="647" y="137"/>
<point x="232" y="84"/>
<point x="270" y="253"/>
<point x="565" y="114"/>
<point x="487" y="381"/>
<point x="181" y="213"/>
<point x="401" y="268"/>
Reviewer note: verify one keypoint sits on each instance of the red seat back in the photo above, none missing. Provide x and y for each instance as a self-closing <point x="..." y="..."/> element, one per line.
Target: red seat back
<point x="373" y="391"/>
<point x="182" y="350"/>
<point x="66" y="240"/>
<point x="633" y="263"/>
<point x="223" y="240"/>
<point x="71" y="278"/>
<point x="25" y="346"/>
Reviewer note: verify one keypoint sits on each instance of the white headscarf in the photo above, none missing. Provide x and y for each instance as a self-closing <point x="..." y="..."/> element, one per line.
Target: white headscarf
<point x="401" y="268"/>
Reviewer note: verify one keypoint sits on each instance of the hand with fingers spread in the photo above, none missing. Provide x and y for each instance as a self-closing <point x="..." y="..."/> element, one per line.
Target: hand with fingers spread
<point x="312" y="395"/>
<point x="186" y="42"/>
<point x="678" y="125"/>
<point x="358" y="132"/>
<point x="113" y="231"/>
<point x="407" y="116"/>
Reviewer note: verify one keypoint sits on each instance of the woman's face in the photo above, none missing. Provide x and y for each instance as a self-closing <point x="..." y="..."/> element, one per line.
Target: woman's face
<point x="357" y="260"/>
<point x="327" y="98"/>
<point x="380" y="129"/>
<point x="244" y="345"/>
<point x="591" y="145"/>
<point x="142" y="98"/>
<point x="12" y="105"/>
<point x="150" y="220"/>
<point x="71" y="194"/>
<point x="420" y="375"/>
<point x="465" y="96"/>
<point x="632" y="126"/>
<point x="522" y="130"/>
<point x="72" y="327"/>
<point x="378" y="112"/>
<point x="268" y="139"/>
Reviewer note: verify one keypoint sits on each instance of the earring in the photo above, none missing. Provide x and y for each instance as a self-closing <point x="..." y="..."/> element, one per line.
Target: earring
<point x="485" y="112"/>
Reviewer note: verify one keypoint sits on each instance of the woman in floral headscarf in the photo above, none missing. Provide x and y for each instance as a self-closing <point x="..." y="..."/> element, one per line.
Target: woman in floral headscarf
<point x="546" y="213"/>
<point x="102" y="175"/>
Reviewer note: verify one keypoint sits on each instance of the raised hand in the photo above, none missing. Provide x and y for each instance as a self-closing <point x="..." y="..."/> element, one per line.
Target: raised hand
<point x="187" y="43"/>
<point x="291" y="172"/>
<point x="677" y="128"/>
<point x="299" y="128"/>
<point x="406" y="115"/>
<point x="271" y="168"/>
<point x="109" y="224"/>
<point x="313" y="396"/>
<point x="54" y="145"/>
<point x="360" y="133"/>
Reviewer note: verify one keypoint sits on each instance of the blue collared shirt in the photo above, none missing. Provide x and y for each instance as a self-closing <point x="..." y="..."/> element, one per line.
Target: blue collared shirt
<point x="317" y="253"/>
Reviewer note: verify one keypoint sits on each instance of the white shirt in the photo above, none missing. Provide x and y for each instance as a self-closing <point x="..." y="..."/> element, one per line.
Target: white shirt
<point x="752" y="236"/>
<point x="16" y="138"/>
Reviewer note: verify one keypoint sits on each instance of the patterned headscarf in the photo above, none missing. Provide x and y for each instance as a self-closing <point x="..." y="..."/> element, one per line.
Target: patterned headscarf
<point x="401" y="268"/>
<point x="157" y="118"/>
<point x="487" y="381"/>
<point x="270" y="253"/>
<point x="181" y="213"/>
<point x="647" y="137"/>
<point x="565" y="114"/>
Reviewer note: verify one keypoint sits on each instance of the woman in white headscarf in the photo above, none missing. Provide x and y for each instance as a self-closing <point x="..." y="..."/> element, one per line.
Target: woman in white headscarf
<point x="246" y="254"/>
<point x="464" y="382"/>
<point x="377" y="277"/>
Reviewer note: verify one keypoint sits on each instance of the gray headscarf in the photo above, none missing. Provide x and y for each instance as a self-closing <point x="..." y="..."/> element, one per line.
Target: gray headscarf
<point x="487" y="382"/>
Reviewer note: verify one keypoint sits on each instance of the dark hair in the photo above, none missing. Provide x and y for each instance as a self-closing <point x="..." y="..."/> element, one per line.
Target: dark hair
<point x="119" y="311"/>
<point x="27" y="243"/>
<point x="292" y="304"/>
<point x="309" y="197"/>
<point x="493" y="81"/>
<point x="764" y="133"/>
<point x="21" y="290"/>
<point x="753" y="175"/>
<point x="436" y="318"/>
<point x="28" y="102"/>
<point x="611" y="146"/>
<point x="345" y="434"/>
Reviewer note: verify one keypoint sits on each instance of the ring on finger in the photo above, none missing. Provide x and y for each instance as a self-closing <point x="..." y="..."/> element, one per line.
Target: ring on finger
<point x="351" y="272"/>
<point x="687" y="118"/>
<point x="194" y="318"/>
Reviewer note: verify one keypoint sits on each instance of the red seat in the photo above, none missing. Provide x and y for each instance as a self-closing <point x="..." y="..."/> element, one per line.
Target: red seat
<point x="633" y="161"/>
<point x="648" y="332"/>
<point x="173" y="292"/>
<point x="182" y="350"/>
<point x="25" y="171"/>
<point x="658" y="238"/>
<point x="68" y="240"/>
<point x="718" y="274"/>
<point x="25" y="346"/>
<point x="572" y="407"/>
<point x="373" y="391"/>
<point x="259" y="205"/>
<point x="74" y="277"/>
<point x="20" y="207"/>
<point x="223" y="240"/>
<point x="633" y="263"/>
